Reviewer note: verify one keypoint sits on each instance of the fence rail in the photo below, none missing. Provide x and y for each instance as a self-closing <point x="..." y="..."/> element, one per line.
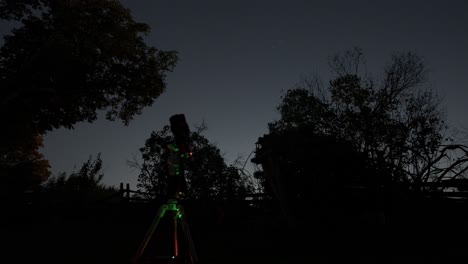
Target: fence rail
<point x="136" y="196"/>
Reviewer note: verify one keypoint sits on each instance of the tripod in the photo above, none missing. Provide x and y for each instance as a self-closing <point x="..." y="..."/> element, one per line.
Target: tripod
<point x="178" y="224"/>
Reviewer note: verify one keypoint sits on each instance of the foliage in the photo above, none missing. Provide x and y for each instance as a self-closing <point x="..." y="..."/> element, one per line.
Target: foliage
<point x="207" y="175"/>
<point x="71" y="58"/>
<point x="396" y="122"/>
<point x="68" y="60"/>
<point x="24" y="168"/>
<point x="79" y="187"/>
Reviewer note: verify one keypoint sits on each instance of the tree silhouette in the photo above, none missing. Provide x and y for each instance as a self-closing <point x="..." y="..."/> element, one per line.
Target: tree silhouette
<point x="23" y="169"/>
<point x="207" y="175"/>
<point x="68" y="60"/>
<point x="396" y="122"/>
<point x="79" y="187"/>
<point x="387" y="137"/>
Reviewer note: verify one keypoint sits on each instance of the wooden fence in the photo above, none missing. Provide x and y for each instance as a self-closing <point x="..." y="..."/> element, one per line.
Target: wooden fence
<point x="456" y="190"/>
<point x="255" y="200"/>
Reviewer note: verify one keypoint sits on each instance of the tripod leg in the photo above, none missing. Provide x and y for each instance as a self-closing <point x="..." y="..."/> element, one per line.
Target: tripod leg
<point x="188" y="237"/>
<point x="176" y="242"/>
<point x="149" y="233"/>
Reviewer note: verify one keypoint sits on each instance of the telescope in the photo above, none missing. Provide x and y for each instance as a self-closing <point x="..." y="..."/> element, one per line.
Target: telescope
<point x="179" y="154"/>
<point x="181" y="247"/>
<point x="180" y="130"/>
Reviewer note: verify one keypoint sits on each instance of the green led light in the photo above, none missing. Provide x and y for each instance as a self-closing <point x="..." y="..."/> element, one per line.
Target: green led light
<point x="173" y="147"/>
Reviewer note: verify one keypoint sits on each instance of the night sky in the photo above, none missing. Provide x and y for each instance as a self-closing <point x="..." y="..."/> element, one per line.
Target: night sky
<point x="237" y="58"/>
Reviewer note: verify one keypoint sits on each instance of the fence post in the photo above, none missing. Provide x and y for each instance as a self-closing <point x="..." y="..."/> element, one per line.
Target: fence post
<point x="128" y="192"/>
<point x="122" y="194"/>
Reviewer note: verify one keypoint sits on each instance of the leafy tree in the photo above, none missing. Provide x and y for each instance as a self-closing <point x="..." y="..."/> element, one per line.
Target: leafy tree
<point x="68" y="60"/>
<point x="207" y="175"/>
<point x="24" y="169"/>
<point x="397" y="121"/>
<point x="79" y="187"/>
<point x="71" y="58"/>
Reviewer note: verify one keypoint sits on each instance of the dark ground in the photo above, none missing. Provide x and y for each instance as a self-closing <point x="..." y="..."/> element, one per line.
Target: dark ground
<point x="417" y="233"/>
